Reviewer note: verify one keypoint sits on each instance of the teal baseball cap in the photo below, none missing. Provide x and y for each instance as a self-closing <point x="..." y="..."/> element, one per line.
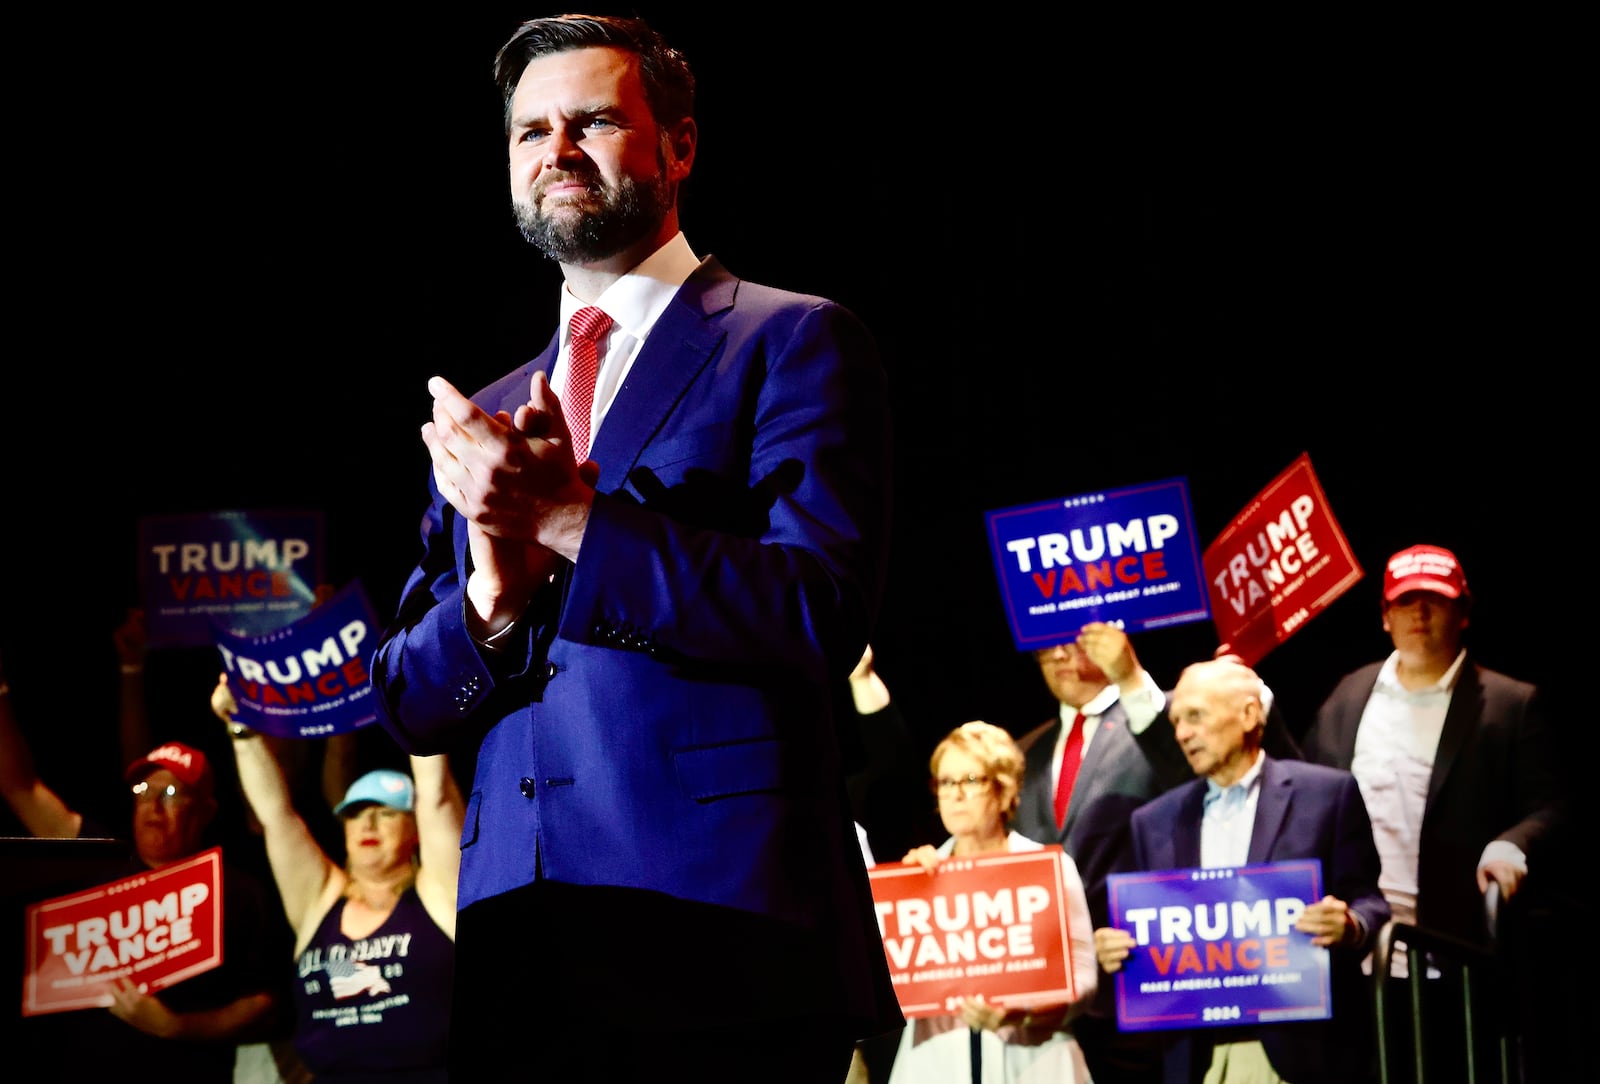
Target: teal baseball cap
<point x="381" y="787"/>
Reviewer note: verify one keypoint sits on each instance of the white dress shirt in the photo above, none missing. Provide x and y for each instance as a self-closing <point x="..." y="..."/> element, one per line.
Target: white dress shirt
<point x="634" y="302"/>
<point x="1143" y="707"/>
<point x="1396" y="742"/>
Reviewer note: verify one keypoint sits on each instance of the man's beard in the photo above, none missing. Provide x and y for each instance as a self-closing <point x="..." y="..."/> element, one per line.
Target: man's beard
<point x="627" y="215"/>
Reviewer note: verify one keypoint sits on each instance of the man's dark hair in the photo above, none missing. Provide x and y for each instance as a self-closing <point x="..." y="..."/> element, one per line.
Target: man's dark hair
<point x="668" y="82"/>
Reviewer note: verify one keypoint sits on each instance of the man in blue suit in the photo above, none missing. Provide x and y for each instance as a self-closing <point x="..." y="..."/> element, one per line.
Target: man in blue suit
<point x="1247" y="808"/>
<point x="644" y="638"/>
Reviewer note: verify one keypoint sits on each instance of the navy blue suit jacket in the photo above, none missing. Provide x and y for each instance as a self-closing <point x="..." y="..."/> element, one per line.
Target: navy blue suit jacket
<point x="663" y="719"/>
<point x="1302" y="811"/>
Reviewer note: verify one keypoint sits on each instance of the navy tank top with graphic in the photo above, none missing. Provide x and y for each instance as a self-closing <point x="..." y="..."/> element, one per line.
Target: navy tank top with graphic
<point x="377" y="1007"/>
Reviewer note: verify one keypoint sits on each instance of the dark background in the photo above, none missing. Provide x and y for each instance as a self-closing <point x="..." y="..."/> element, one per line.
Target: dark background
<point x="1093" y="255"/>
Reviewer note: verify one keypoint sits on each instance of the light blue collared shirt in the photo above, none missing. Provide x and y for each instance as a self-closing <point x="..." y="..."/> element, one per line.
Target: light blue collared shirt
<point x="1229" y="817"/>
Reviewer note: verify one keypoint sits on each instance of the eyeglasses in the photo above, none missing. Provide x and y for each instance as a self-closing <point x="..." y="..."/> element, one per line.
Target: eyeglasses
<point x="169" y="796"/>
<point x="971" y="785"/>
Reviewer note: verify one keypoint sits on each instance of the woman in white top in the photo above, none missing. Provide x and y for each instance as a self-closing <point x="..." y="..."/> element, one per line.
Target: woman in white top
<point x="977" y="775"/>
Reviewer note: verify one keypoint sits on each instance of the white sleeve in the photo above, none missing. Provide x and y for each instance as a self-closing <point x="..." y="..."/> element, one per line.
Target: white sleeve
<point x="1144" y="705"/>
<point x="866" y="850"/>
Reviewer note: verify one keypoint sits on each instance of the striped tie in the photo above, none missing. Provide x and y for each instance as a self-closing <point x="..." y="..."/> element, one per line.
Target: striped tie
<point x="583" y="365"/>
<point x="1071" y="760"/>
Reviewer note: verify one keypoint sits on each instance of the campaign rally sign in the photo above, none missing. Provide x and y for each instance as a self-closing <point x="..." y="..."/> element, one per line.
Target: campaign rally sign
<point x="156" y="928"/>
<point x="308" y="679"/>
<point x="1218" y="946"/>
<point x="249" y="571"/>
<point x="995" y="925"/>
<point x="1281" y="562"/>
<point x="1128" y="557"/>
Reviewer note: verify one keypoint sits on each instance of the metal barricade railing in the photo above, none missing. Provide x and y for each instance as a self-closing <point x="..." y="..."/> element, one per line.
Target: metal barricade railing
<point x="1452" y="983"/>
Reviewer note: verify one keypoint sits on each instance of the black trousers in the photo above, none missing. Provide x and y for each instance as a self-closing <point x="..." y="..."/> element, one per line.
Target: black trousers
<point x="547" y="989"/>
<point x="572" y="1053"/>
<point x="1120" y="1057"/>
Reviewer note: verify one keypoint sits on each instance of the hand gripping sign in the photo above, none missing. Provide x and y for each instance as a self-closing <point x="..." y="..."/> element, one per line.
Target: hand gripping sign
<point x="1218" y="946"/>
<point x="155" y="928"/>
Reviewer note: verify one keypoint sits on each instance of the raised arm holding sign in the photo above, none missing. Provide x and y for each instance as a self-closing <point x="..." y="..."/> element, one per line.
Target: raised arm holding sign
<point x="374" y="950"/>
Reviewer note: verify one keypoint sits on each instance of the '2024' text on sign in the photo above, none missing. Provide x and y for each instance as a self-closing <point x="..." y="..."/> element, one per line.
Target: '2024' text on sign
<point x="1218" y="946"/>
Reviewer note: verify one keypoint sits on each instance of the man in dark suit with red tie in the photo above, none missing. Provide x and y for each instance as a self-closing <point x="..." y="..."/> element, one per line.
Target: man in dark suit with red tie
<point x="646" y="647"/>
<point x="1128" y="756"/>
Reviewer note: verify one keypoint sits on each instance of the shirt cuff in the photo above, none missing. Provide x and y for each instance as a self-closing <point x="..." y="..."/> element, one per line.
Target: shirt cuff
<point x="1144" y="704"/>
<point x="1503" y="850"/>
<point x="496" y="643"/>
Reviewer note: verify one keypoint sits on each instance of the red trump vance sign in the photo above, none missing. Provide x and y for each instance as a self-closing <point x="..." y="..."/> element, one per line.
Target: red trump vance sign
<point x="995" y="925"/>
<point x="155" y="928"/>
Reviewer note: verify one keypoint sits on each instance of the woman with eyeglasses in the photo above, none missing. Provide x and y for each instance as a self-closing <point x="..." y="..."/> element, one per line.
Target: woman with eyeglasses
<point x="977" y="778"/>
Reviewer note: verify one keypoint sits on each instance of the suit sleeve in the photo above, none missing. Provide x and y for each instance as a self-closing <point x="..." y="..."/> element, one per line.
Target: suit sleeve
<point x="1354" y="876"/>
<point x="1080" y="936"/>
<point x="426" y="664"/>
<point x="1326" y="740"/>
<point x="1159" y="744"/>
<point x="1538" y="796"/>
<point x="1276" y="738"/>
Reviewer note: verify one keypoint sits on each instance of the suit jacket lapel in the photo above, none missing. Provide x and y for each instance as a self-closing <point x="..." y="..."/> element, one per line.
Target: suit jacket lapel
<point x="514" y="393"/>
<point x="1466" y="707"/>
<point x="1272" y="808"/>
<point x="1186" y="832"/>
<point x="1346" y="720"/>
<point x="678" y="348"/>
<point x="1038" y="805"/>
<point x="1090" y="779"/>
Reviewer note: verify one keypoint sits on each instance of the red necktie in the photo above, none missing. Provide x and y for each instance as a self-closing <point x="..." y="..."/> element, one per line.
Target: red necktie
<point x="583" y="365"/>
<point x="1071" y="758"/>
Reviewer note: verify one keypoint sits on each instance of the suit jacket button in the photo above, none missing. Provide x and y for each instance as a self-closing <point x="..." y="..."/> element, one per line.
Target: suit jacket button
<point x="549" y="671"/>
<point x="525" y="784"/>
